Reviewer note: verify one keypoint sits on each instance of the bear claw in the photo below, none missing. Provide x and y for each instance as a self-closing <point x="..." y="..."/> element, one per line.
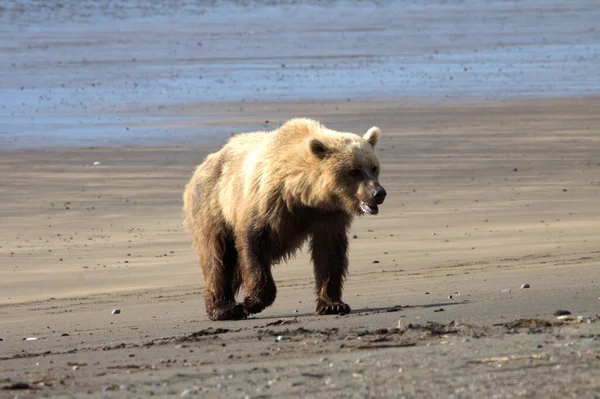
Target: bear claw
<point x="333" y="308"/>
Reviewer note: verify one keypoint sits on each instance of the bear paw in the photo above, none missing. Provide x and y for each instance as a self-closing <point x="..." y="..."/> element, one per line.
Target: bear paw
<point x="252" y="306"/>
<point x="332" y="308"/>
<point x="230" y="311"/>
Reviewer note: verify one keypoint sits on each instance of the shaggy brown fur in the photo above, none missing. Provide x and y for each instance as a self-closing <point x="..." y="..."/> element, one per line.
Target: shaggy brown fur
<point x="257" y="200"/>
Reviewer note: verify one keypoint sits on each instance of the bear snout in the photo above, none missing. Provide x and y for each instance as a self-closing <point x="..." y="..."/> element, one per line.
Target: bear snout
<point x="379" y="195"/>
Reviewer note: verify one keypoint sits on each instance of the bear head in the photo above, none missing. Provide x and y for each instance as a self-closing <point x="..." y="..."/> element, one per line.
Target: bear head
<point x="348" y="170"/>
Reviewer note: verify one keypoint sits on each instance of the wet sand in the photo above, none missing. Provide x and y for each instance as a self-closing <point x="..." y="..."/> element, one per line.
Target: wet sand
<point x="482" y="199"/>
<point x="101" y="72"/>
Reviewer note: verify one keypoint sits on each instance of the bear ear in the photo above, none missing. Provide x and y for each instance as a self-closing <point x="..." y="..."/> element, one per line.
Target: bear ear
<point x="317" y="147"/>
<point x="372" y="136"/>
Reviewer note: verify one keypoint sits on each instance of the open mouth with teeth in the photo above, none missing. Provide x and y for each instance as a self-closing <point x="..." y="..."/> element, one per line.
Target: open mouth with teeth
<point x="370" y="209"/>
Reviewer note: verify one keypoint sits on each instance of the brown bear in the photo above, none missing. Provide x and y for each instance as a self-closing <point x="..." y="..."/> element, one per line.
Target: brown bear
<point x="255" y="202"/>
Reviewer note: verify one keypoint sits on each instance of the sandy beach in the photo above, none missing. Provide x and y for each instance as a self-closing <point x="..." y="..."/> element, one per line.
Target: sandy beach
<point x="477" y="207"/>
<point x="491" y="184"/>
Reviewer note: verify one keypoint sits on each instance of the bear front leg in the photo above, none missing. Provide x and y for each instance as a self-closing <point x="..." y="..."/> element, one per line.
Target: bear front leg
<point x="255" y="267"/>
<point x="330" y="258"/>
<point x="218" y="258"/>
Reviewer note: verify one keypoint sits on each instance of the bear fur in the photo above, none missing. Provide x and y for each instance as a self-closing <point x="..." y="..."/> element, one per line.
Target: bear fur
<point x="255" y="202"/>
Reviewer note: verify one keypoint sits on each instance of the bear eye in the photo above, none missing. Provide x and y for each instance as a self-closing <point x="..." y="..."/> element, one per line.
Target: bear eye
<point x="374" y="169"/>
<point x="355" y="173"/>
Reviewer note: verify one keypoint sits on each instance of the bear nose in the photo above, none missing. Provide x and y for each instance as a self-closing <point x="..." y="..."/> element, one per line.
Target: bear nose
<point x="379" y="195"/>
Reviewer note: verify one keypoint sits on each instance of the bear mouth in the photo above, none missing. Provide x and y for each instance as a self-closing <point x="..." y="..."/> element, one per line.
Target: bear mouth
<point x="370" y="209"/>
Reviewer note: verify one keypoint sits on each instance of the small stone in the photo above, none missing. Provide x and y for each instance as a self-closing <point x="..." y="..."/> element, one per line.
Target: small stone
<point x="323" y="359"/>
<point x="526" y="285"/>
<point x="281" y="338"/>
<point x="296" y="311"/>
<point x="506" y="290"/>
<point x="561" y="313"/>
<point x="355" y="236"/>
<point x="96" y="163"/>
<point x="375" y="261"/>
<point x="64" y="334"/>
<point x="116" y="311"/>
<point x="30" y="339"/>
<point x="449" y="296"/>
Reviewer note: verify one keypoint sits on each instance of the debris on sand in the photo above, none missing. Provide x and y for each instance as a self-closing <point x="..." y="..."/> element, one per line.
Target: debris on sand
<point x="375" y="345"/>
<point x="433" y="328"/>
<point x="396" y="308"/>
<point x="18" y="386"/>
<point x="203" y="333"/>
<point x="116" y="311"/>
<point x="526" y="323"/>
<point x="282" y="322"/>
<point x="193" y="337"/>
<point x="524" y="286"/>
<point x="504" y="359"/>
<point x="571" y="319"/>
<point x="281" y="338"/>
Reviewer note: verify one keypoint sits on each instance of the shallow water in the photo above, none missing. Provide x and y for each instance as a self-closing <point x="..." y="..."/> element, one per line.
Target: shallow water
<point x="68" y="69"/>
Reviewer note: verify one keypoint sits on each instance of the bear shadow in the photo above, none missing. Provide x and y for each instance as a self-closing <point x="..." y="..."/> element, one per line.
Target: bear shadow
<point x="356" y="312"/>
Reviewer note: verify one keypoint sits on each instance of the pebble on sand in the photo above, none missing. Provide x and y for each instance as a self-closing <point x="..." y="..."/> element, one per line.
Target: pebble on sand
<point x="506" y="290"/>
<point x="561" y="313"/>
<point x="526" y="285"/>
<point x="30" y="339"/>
<point x="281" y="338"/>
<point x="116" y="311"/>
